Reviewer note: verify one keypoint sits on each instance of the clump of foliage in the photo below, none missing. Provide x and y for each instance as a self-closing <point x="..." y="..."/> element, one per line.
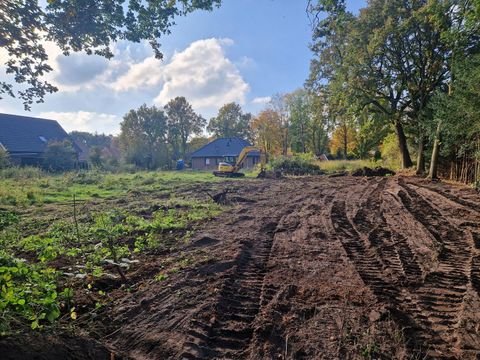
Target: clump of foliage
<point x="389" y="150"/>
<point x="28" y="294"/>
<point x="4" y="159"/>
<point x="59" y="156"/>
<point x="7" y="218"/>
<point x="295" y="165"/>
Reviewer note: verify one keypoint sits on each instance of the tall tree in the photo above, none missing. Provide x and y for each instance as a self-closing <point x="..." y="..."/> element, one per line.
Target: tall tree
<point x="462" y="37"/>
<point x="267" y="130"/>
<point x="182" y="122"/>
<point x="390" y="58"/>
<point x="279" y="104"/>
<point x="319" y="126"/>
<point x="143" y="137"/>
<point x="231" y="122"/>
<point x="299" y="105"/>
<point x="77" y="25"/>
<point x="458" y="111"/>
<point x="344" y="140"/>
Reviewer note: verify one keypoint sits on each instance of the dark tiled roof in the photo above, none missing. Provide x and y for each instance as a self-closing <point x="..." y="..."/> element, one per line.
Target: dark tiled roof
<point x="21" y="134"/>
<point x="223" y="147"/>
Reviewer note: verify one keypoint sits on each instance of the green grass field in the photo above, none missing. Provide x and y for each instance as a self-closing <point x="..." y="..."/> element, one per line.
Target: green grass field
<point x="24" y="187"/>
<point x="346" y="165"/>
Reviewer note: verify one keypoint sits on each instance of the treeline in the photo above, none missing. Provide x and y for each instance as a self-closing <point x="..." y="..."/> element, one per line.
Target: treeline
<point x="155" y="138"/>
<point x="402" y="70"/>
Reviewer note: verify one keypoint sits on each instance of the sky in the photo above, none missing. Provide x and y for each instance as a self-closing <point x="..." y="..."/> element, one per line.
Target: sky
<point x="244" y="52"/>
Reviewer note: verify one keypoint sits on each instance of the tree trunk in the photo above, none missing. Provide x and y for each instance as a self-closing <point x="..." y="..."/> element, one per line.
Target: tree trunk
<point x="285" y="145"/>
<point x="402" y="143"/>
<point x="304" y="148"/>
<point x="435" y="152"/>
<point x="314" y="142"/>
<point x="345" y="142"/>
<point x="421" y="157"/>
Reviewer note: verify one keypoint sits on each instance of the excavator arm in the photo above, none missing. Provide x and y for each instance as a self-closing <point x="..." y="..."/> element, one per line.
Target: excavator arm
<point x="225" y="170"/>
<point x="243" y="156"/>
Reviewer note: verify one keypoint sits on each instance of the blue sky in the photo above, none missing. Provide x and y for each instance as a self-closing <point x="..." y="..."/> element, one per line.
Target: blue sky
<point x="245" y="51"/>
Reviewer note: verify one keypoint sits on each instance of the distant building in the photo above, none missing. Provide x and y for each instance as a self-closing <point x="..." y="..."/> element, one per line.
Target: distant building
<point x="222" y="150"/>
<point x="26" y="138"/>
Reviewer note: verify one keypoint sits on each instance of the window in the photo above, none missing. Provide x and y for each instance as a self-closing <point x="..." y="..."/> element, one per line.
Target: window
<point x="230" y="159"/>
<point x="207" y="161"/>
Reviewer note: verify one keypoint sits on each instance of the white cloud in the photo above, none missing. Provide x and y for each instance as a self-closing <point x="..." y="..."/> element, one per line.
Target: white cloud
<point x="202" y="73"/>
<point x="246" y="62"/>
<point x="80" y="71"/>
<point x="262" y="100"/>
<point x="85" y="121"/>
<point x="147" y="73"/>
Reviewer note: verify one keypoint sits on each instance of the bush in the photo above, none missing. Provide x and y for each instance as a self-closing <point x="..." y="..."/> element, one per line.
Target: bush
<point x="390" y="153"/>
<point x="60" y="156"/>
<point x="295" y="166"/>
<point x="4" y="159"/>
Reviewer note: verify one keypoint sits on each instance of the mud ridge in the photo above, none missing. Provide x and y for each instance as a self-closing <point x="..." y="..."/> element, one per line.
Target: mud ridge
<point x="442" y="294"/>
<point x="230" y="332"/>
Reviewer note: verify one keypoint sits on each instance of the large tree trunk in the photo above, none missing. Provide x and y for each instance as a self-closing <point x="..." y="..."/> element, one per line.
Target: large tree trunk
<point x="345" y="142"/>
<point x="402" y="143"/>
<point x="421" y="157"/>
<point x="433" y="173"/>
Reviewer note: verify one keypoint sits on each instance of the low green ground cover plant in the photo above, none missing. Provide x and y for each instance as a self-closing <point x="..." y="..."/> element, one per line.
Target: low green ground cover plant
<point x="68" y="236"/>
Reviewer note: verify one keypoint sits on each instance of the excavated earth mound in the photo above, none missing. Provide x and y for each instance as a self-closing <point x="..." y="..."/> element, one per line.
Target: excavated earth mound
<point x="378" y="171"/>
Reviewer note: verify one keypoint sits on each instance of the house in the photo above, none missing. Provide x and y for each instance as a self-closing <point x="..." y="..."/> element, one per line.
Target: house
<point x="222" y="150"/>
<point x="26" y="138"/>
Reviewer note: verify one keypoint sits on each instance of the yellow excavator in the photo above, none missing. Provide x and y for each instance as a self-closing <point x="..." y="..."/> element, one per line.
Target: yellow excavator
<point x="229" y="170"/>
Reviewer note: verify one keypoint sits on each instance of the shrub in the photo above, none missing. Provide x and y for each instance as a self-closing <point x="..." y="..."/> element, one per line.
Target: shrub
<point x="4" y="159"/>
<point x="295" y="166"/>
<point x="60" y="156"/>
<point x="95" y="156"/>
<point x="390" y="153"/>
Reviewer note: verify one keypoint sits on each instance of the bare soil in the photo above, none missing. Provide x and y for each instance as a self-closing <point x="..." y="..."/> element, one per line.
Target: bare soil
<point x="313" y="268"/>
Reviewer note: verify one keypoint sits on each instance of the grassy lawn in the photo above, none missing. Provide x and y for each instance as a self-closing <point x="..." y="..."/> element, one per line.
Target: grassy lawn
<point x="23" y="187"/>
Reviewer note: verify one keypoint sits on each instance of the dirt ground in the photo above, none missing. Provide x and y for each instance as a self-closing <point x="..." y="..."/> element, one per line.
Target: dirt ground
<point x="315" y="268"/>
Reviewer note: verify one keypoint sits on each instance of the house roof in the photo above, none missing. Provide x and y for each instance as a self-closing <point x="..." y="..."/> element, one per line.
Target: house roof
<point x="224" y="147"/>
<point x="22" y="134"/>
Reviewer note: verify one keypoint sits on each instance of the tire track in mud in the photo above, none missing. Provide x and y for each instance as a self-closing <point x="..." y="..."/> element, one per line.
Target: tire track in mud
<point x="372" y="271"/>
<point x="390" y="246"/>
<point x="456" y="199"/>
<point x="238" y="303"/>
<point x="442" y="294"/>
<point x="429" y="309"/>
<point x="366" y="261"/>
